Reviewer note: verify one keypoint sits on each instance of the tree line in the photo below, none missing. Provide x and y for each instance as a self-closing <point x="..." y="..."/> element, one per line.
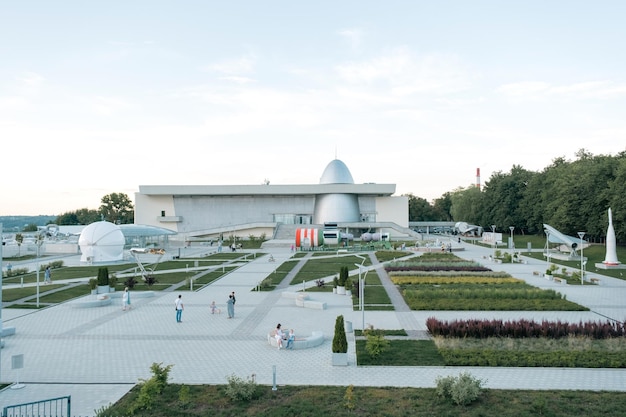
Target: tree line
<point x="571" y="196"/>
<point x="115" y="208"/>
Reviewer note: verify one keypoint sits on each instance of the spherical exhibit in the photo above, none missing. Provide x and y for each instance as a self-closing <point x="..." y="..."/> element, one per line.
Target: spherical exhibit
<point x="101" y="242"/>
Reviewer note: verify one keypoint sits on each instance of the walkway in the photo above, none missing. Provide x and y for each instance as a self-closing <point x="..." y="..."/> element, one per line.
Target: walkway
<point x="96" y="355"/>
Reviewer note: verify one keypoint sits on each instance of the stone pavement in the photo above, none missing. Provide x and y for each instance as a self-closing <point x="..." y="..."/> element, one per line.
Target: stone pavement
<point x="97" y="354"/>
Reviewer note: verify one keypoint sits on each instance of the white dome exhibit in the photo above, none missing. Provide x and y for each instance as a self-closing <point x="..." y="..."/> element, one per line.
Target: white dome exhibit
<point x="332" y="208"/>
<point x="101" y="242"/>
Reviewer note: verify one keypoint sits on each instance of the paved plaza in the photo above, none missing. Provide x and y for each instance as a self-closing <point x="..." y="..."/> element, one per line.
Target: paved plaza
<point x="97" y="355"/>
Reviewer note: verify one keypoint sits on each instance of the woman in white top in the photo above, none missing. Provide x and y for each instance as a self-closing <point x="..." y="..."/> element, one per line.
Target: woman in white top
<point x="279" y="336"/>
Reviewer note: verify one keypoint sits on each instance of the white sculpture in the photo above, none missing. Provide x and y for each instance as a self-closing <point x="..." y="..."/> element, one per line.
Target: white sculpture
<point x="611" y="250"/>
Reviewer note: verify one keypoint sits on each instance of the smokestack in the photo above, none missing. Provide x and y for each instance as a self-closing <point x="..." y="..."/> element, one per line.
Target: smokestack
<point x="478" y="178"/>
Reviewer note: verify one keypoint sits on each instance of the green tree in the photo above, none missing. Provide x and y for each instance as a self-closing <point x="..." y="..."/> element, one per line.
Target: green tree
<point x="466" y="204"/>
<point x="340" y="342"/>
<point x="82" y="216"/>
<point x="117" y="208"/>
<point x="442" y="206"/>
<point x="19" y="238"/>
<point x="30" y="227"/>
<point x="420" y="209"/>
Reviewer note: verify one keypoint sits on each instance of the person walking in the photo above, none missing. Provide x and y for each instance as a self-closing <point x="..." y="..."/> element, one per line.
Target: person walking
<point x="126" y="299"/>
<point x="179" y="308"/>
<point x="47" y="275"/>
<point x="230" y="306"/>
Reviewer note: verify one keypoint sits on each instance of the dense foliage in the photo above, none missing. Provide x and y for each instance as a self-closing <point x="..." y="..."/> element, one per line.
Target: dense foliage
<point x="340" y="341"/>
<point x="524" y="328"/>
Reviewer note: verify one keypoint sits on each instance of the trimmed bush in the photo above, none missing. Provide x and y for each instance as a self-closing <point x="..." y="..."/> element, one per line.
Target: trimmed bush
<point x="340" y="342"/>
<point x="103" y="276"/>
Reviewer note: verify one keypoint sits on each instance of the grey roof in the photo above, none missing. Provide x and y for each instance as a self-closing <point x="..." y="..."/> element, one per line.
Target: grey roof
<point x="132" y="230"/>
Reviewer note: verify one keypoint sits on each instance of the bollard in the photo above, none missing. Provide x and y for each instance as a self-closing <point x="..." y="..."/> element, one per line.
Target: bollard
<point x="274" y="378"/>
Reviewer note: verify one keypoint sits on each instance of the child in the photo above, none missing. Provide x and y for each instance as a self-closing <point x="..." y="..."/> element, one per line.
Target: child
<point x="290" y="339"/>
<point x="214" y="308"/>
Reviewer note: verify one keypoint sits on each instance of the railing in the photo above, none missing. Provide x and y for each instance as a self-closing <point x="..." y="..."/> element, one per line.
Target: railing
<point x="54" y="407"/>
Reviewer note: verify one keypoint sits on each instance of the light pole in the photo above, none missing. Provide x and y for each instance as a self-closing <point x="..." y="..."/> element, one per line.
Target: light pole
<point x="582" y="272"/>
<point x="493" y="237"/>
<point x="38" y="242"/>
<point x="361" y="293"/>
<point x="548" y="247"/>
<point x="512" y="245"/>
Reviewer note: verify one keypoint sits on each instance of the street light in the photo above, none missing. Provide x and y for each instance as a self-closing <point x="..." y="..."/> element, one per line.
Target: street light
<point x="548" y="247"/>
<point x="582" y="272"/>
<point x="493" y="237"/>
<point x="38" y="242"/>
<point x="362" y="292"/>
<point x="511" y="228"/>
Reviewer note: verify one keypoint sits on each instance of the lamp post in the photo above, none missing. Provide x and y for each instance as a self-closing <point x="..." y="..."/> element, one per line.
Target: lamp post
<point x="548" y="247"/>
<point x="512" y="245"/>
<point x="493" y="237"/>
<point x="582" y="271"/>
<point x="38" y="242"/>
<point x="361" y="293"/>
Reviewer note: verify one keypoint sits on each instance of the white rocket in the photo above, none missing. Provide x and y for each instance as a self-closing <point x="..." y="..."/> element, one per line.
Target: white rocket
<point x="611" y="251"/>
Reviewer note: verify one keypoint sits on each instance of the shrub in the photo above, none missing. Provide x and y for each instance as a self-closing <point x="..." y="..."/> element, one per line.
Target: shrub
<point x="103" y="276"/>
<point x="113" y="281"/>
<point x="151" y="388"/>
<point x="130" y="282"/>
<point x="93" y="283"/>
<point x="376" y="343"/>
<point x="343" y="275"/>
<point x="240" y="389"/>
<point x="462" y="390"/>
<point x="184" y="397"/>
<point x="348" y="398"/>
<point x="340" y="342"/>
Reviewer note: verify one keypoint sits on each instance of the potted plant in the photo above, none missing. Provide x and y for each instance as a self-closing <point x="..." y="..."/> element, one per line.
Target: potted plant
<point x="93" y="285"/>
<point x="349" y="285"/>
<point x="343" y="277"/>
<point x="340" y="344"/>
<point x="335" y="284"/>
<point x="112" y="283"/>
<point x="103" y="280"/>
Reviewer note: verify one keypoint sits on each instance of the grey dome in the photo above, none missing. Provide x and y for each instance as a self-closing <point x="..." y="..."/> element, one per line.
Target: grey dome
<point x="336" y="172"/>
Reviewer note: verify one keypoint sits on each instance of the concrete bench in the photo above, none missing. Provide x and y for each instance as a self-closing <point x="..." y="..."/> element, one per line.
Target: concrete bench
<point x="295" y="295"/>
<point x="316" y="305"/>
<point x="315" y="339"/>
<point x="595" y="280"/>
<point x="7" y="331"/>
<point x="560" y="280"/>
<point x="536" y="273"/>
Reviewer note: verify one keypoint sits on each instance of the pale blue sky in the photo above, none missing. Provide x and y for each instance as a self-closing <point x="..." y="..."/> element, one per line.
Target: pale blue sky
<point x="101" y="97"/>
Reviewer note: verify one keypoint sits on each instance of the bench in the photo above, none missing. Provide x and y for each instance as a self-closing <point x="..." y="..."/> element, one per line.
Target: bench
<point x="595" y="280"/>
<point x="7" y="331"/>
<point x="536" y="273"/>
<point x="315" y="339"/>
<point x="560" y="280"/>
<point x="302" y="300"/>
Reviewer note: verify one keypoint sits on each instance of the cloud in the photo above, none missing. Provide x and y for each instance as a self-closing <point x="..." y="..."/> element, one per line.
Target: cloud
<point x="407" y="74"/>
<point x="107" y="106"/>
<point x="31" y="79"/>
<point x="241" y="65"/>
<point x="237" y="79"/>
<point x="538" y="90"/>
<point x="353" y="36"/>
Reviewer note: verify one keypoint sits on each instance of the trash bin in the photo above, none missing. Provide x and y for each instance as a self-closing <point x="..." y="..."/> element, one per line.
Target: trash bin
<point x="348" y="326"/>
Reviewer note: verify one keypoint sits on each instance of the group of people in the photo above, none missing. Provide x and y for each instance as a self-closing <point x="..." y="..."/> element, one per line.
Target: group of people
<point x="230" y="307"/>
<point x="282" y="337"/>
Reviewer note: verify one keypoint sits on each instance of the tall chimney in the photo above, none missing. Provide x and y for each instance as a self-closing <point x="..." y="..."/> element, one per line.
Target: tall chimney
<point x="478" y="178"/>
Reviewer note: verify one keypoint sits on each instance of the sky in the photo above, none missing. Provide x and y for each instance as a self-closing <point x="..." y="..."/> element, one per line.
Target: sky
<point x="103" y="97"/>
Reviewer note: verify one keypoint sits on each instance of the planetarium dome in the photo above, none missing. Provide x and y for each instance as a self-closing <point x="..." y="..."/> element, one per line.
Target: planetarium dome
<point x="334" y="208"/>
<point x="336" y="172"/>
<point x="101" y="242"/>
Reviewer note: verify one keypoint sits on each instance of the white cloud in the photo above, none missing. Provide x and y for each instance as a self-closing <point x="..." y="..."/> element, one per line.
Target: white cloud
<point x="31" y="79"/>
<point x="353" y="36"/>
<point x="237" y="80"/>
<point x="406" y="74"/>
<point x="241" y="65"/>
<point x="107" y="106"/>
<point x="536" y="90"/>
